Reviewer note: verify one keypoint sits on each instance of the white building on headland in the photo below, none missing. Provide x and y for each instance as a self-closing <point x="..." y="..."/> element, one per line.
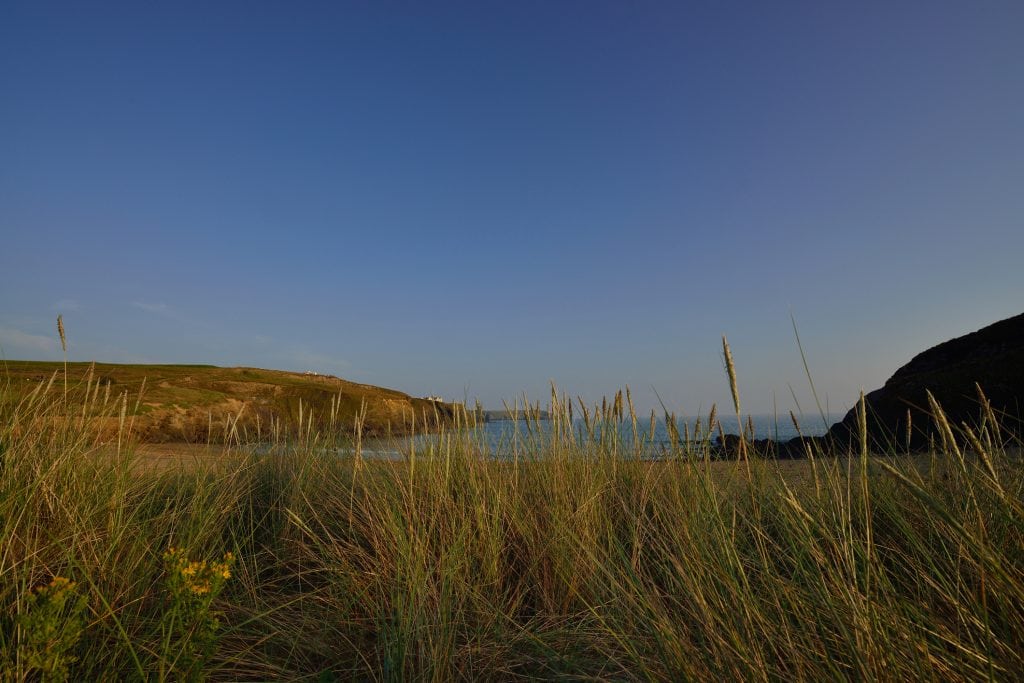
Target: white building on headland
<point x="436" y="399"/>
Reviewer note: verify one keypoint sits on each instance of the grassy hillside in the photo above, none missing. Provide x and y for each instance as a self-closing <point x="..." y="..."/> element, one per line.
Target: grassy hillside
<point x="204" y="402"/>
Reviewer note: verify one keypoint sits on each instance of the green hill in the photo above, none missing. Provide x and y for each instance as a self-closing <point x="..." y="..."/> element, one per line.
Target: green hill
<point x="198" y="402"/>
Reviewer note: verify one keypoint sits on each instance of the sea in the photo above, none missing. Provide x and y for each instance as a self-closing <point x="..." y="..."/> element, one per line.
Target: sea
<point x="505" y="438"/>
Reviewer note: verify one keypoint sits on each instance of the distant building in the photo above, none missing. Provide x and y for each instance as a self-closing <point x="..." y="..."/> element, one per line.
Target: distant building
<point x="436" y="399"/>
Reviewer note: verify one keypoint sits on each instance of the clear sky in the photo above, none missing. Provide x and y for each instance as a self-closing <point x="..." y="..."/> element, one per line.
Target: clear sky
<point x="476" y="198"/>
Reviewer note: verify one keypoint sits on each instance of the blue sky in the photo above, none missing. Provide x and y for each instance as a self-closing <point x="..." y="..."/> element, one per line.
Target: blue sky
<point x="477" y="198"/>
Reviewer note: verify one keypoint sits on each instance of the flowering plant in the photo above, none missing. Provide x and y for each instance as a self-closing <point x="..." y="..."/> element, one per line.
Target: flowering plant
<point x="51" y="624"/>
<point x="190" y="625"/>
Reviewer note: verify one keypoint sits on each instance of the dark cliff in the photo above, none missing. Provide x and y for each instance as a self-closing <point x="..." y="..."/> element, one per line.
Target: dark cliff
<point x="992" y="357"/>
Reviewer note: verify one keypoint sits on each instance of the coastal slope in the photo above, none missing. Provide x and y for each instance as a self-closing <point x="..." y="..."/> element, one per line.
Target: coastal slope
<point x="197" y="403"/>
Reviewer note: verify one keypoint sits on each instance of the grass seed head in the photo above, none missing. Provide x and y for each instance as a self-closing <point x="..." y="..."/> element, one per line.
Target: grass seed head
<point x="730" y="368"/>
<point x="60" y="331"/>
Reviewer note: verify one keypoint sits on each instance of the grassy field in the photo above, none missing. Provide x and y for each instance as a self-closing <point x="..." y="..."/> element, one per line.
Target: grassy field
<point x="204" y="403"/>
<point x="575" y="561"/>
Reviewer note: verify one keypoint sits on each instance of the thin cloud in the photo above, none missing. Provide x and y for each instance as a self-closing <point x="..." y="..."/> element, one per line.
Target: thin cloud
<point x="18" y="341"/>
<point x="67" y="306"/>
<point x="158" y="309"/>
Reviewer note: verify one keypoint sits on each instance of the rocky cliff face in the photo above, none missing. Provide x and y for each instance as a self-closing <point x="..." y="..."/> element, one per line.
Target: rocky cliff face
<point x="992" y="357"/>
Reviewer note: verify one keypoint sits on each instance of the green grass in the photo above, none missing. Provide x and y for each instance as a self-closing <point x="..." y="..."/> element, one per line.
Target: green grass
<point x="573" y="561"/>
<point x="202" y="403"/>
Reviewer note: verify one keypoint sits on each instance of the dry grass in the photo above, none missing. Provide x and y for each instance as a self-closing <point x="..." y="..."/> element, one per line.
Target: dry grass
<point x="573" y="560"/>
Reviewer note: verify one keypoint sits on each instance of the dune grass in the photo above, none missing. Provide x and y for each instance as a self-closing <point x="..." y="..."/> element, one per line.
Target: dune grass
<point x="575" y="559"/>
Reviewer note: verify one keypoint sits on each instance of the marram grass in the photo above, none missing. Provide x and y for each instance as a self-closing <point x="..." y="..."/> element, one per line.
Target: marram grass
<point x="573" y="560"/>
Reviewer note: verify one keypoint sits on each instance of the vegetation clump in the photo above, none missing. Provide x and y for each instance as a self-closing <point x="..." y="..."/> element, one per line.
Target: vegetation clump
<point x="50" y="626"/>
<point x="576" y="556"/>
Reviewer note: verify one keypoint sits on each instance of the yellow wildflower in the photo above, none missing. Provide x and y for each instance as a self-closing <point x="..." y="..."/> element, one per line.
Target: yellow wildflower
<point x="57" y="584"/>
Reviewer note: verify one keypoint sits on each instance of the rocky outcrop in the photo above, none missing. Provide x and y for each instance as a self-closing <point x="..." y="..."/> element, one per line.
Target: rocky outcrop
<point x="992" y="357"/>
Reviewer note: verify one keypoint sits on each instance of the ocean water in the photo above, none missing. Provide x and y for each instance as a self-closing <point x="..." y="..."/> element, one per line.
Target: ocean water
<point x="765" y="427"/>
<point x="503" y="438"/>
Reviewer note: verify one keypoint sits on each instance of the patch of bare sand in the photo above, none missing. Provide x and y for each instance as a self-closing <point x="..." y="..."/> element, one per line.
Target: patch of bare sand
<point x="166" y="457"/>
